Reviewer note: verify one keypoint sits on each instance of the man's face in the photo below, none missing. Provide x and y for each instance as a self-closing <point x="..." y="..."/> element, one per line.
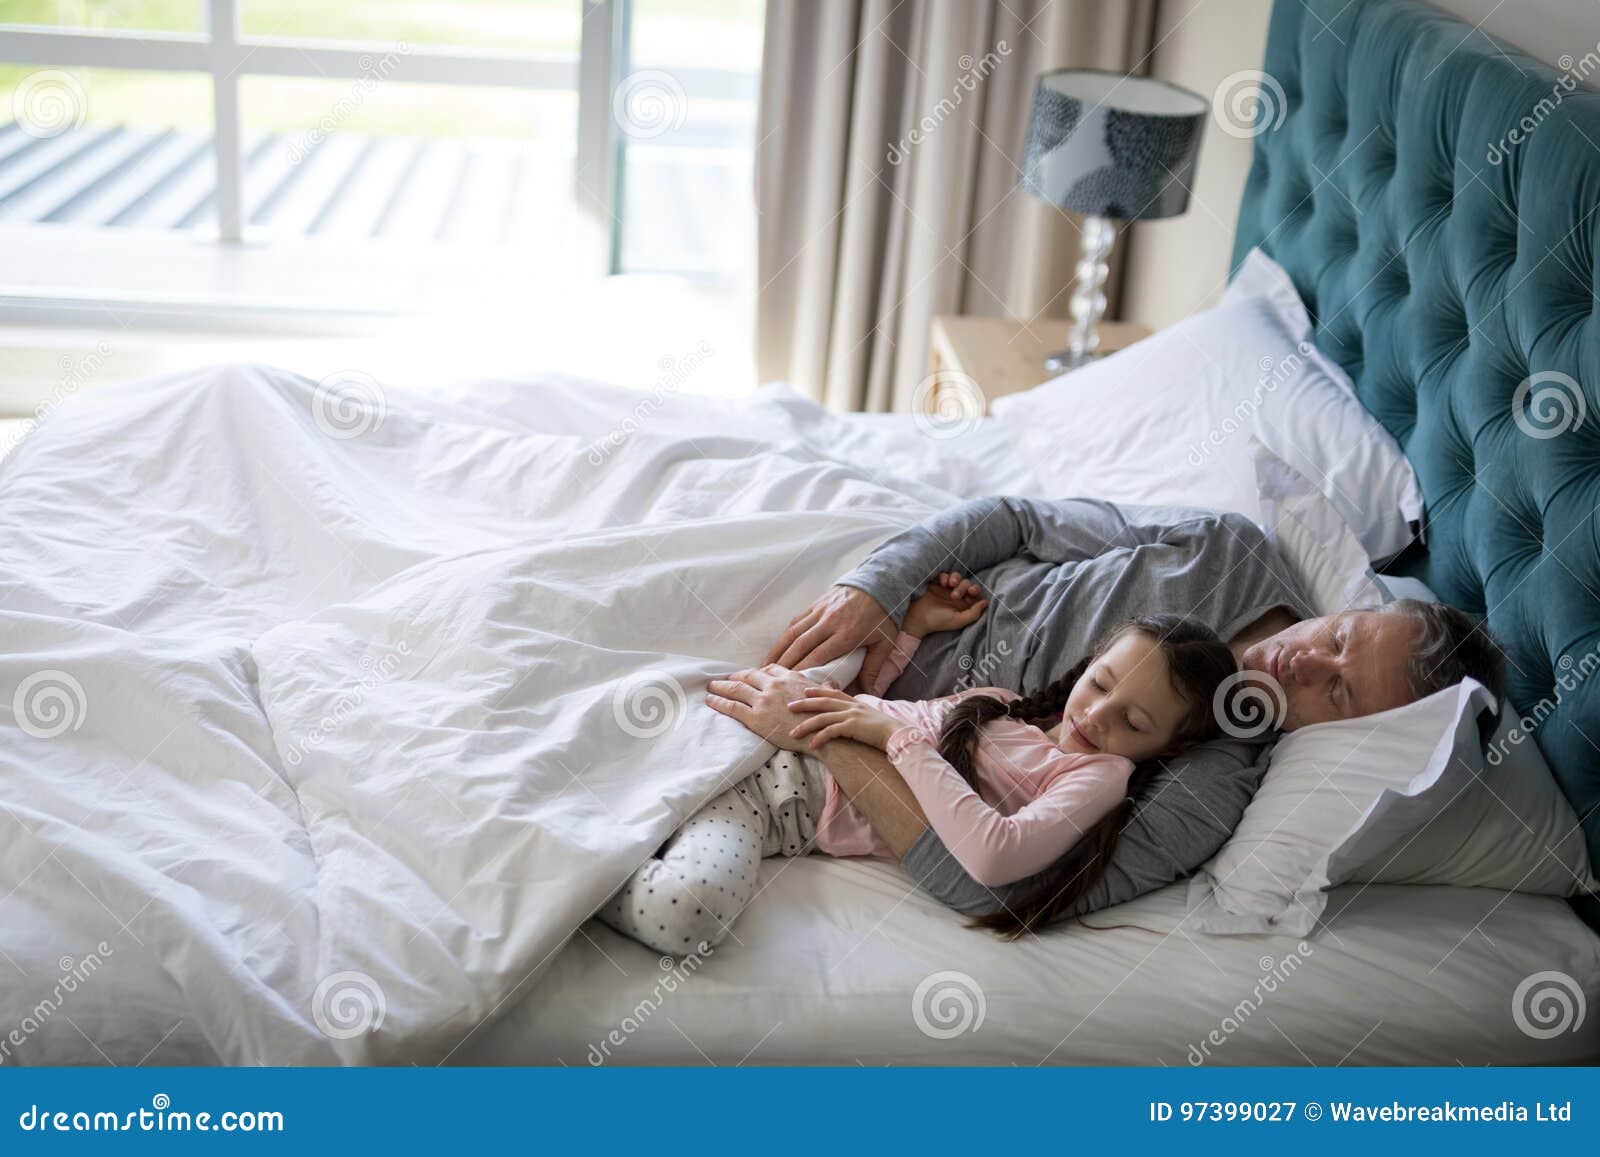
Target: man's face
<point x="1339" y="667"/>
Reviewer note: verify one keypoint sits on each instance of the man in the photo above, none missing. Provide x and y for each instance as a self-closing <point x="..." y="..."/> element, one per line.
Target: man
<point x="1058" y="576"/>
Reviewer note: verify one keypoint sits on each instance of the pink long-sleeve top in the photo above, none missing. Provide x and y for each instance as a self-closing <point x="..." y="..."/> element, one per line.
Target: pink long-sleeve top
<point x="1034" y="800"/>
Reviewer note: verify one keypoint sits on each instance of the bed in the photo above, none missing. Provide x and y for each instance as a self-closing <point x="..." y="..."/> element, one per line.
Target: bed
<point x="1406" y="285"/>
<point x="223" y="847"/>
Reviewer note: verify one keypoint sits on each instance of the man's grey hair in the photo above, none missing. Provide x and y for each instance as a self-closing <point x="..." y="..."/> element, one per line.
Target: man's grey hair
<point x="1453" y="646"/>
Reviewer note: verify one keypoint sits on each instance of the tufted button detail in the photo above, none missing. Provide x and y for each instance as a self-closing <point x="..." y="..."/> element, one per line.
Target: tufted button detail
<point x="1511" y="364"/>
<point x="1574" y="313"/>
<point x="1347" y="347"/>
<point x="1382" y="159"/>
<point x="1406" y="395"/>
<point x="1500" y="233"/>
<point x="1400" y="276"/>
<point x="1451" y="313"/>
<point x="1298" y="208"/>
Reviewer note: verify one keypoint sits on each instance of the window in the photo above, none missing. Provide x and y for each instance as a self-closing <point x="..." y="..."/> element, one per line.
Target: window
<point x="685" y="149"/>
<point x="551" y="138"/>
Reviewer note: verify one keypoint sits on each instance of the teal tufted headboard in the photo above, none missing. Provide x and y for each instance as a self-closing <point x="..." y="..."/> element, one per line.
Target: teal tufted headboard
<point x="1435" y="196"/>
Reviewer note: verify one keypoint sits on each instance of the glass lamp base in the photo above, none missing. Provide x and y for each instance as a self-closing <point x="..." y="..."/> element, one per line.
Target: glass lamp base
<point x="1060" y="363"/>
<point x="1088" y="302"/>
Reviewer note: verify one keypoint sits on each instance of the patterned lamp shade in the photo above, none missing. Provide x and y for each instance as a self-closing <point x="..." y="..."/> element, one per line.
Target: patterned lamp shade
<point x="1109" y="145"/>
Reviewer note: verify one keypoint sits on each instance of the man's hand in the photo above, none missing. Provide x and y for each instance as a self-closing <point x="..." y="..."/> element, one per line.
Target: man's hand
<point x="759" y="698"/>
<point x="836" y="624"/>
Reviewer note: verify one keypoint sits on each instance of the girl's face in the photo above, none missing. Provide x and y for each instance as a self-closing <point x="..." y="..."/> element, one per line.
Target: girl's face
<point x="1124" y="703"/>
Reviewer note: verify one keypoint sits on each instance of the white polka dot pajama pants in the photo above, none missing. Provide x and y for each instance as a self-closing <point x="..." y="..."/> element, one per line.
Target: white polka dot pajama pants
<point x="706" y="873"/>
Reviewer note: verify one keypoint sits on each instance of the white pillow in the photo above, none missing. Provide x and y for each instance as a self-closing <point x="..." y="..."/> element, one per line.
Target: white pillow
<point x="1169" y="419"/>
<point x="1320" y="549"/>
<point x="1334" y="793"/>
<point x="1260" y="276"/>
<point x="1512" y="829"/>
<point x="1397" y="586"/>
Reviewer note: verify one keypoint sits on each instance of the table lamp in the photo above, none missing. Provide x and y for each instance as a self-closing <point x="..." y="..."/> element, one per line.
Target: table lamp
<point x="1113" y="148"/>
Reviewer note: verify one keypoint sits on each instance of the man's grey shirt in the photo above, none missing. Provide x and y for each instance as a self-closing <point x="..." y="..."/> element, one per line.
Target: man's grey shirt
<point x="1060" y="575"/>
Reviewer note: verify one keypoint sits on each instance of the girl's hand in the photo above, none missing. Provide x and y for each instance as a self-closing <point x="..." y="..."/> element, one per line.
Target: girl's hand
<point x="949" y="602"/>
<point x="835" y="715"/>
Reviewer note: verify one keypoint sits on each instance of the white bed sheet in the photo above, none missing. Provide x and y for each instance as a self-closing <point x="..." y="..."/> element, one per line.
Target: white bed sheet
<point x="832" y="955"/>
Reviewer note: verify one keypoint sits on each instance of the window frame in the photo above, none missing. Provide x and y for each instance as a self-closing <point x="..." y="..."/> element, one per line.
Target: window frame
<point x="220" y="52"/>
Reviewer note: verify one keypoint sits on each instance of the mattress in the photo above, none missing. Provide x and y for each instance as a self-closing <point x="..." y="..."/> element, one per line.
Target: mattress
<point x="843" y="961"/>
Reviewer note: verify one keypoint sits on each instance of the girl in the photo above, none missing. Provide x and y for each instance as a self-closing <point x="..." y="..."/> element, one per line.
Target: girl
<point x="1012" y="785"/>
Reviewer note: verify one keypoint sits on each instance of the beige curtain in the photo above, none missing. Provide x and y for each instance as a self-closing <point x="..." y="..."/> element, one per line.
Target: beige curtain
<point x="886" y="178"/>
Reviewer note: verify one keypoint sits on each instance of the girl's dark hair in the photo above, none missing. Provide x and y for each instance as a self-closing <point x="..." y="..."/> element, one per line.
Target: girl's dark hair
<point x="1198" y="663"/>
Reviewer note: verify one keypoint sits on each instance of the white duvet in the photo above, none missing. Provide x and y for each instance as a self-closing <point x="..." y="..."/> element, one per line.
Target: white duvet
<point x="329" y="724"/>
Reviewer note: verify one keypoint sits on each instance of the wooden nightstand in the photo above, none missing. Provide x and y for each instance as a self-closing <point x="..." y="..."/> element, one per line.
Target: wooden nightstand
<point x="1003" y="356"/>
